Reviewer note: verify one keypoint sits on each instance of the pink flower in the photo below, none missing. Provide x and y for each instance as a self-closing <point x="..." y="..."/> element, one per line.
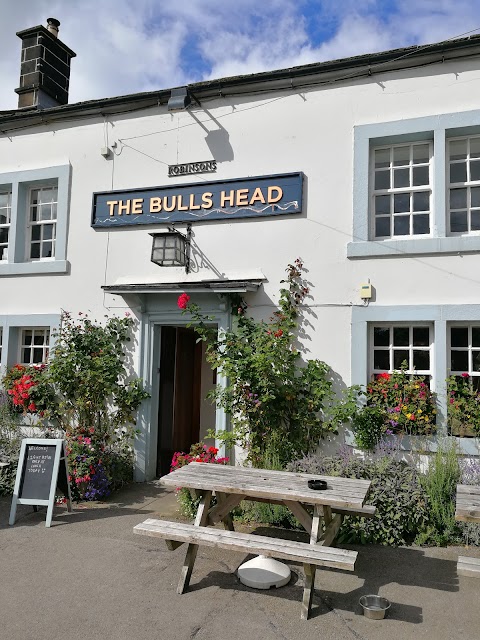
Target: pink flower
<point x="182" y="301"/>
<point x="465" y="375"/>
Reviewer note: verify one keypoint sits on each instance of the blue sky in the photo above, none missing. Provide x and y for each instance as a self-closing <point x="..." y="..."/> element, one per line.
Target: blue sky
<point x="126" y="46"/>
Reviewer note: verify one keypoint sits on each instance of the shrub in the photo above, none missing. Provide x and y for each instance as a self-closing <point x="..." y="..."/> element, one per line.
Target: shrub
<point x="395" y="487"/>
<point x="440" y="482"/>
<point x="463" y="408"/>
<point x="280" y="407"/>
<point x="10" y="441"/>
<point x="369" y="426"/>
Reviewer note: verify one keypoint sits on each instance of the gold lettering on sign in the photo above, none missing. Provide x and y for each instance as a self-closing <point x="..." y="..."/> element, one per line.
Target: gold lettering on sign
<point x="155" y="205"/>
<point x="192" y="206"/>
<point x="242" y="197"/>
<point x="180" y="206"/>
<point x="207" y="202"/>
<point x="224" y="198"/>
<point x="257" y="196"/>
<point x="111" y="206"/>
<point x="137" y="205"/>
<point x="124" y="207"/>
<point x="171" y="207"/>
<point x="271" y="197"/>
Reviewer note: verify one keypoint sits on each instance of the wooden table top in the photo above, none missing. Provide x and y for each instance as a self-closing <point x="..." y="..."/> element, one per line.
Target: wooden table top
<point x="467" y="507"/>
<point x="273" y="485"/>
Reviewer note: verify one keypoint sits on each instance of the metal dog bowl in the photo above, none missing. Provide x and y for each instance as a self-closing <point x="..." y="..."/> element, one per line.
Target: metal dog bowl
<point x="374" y="607"/>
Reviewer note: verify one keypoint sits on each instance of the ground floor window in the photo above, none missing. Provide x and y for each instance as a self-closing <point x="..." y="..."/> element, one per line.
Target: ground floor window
<point x="34" y="345"/>
<point x="397" y="345"/>
<point x="464" y="351"/>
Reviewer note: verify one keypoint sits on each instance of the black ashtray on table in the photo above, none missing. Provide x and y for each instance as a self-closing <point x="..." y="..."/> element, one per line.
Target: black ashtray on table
<point x="317" y="485"/>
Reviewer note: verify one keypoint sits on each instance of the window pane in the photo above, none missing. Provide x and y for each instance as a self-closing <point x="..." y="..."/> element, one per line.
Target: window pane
<point x="458" y="172"/>
<point x="421" y="153"/>
<point x="401" y="202"/>
<point x="421" y="336"/>
<point x="421" y="201"/>
<point x="381" y="360"/>
<point x="475" y="336"/>
<point x="4" y="199"/>
<point x="46" y="195"/>
<point x="475" y="170"/>
<point x="401" y="226"/>
<point x="3" y="236"/>
<point x="381" y="336"/>
<point x="458" y="149"/>
<point x="382" y="227"/>
<point x="401" y="336"/>
<point x="474" y="147"/>
<point x="382" y="180"/>
<point x="458" y="198"/>
<point x="27" y="337"/>
<point x="400" y="356"/>
<point x="37" y="355"/>
<point x="420" y="176"/>
<point x="401" y="178"/>
<point x="421" y="224"/>
<point x="35" y="251"/>
<point x="34" y="196"/>
<point x="26" y="356"/>
<point x="475" y="220"/>
<point x="382" y="204"/>
<point x="36" y="231"/>
<point x="47" y="231"/>
<point x="33" y="214"/>
<point x="47" y="250"/>
<point x="475" y="196"/>
<point x="460" y="361"/>
<point x="45" y="212"/>
<point x="458" y="222"/>
<point x="382" y="158"/>
<point x="401" y="156"/>
<point x="459" y="336"/>
<point x="476" y="360"/>
<point x="421" y="360"/>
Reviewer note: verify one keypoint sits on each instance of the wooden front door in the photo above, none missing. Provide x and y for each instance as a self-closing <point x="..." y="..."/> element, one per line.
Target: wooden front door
<point x="179" y="394"/>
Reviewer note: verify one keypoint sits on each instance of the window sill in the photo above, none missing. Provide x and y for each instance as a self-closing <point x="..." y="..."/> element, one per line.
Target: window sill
<point x="429" y="444"/>
<point x="417" y="246"/>
<point x="33" y="268"/>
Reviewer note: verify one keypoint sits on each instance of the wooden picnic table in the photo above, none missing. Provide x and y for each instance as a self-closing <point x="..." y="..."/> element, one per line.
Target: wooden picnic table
<point x="467" y="509"/>
<point x="232" y="484"/>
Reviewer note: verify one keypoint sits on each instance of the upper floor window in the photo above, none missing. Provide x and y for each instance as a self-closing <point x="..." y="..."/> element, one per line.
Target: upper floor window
<point x="464" y="184"/>
<point x="394" y="345"/>
<point x="34" y="345"/>
<point x="42" y="222"/>
<point x="5" y="217"/>
<point x="401" y="190"/>
<point x="34" y="206"/>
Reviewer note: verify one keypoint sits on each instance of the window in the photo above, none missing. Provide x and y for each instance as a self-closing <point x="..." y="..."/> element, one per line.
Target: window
<point x="392" y="345"/>
<point x="34" y="221"/>
<point x="34" y="345"/>
<point x="5" y="216"/>
<point x="42" y="222"/>
<point x="464" y="184"/>
<point x="401" y="190"/>
<point x="465" y="351"/>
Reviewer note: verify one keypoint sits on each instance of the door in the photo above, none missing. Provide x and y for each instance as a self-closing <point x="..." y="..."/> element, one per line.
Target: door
<point x="179" y="394"/>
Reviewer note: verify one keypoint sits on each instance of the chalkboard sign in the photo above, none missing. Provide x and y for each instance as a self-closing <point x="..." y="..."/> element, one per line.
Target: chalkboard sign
<point x="42" y="467"/>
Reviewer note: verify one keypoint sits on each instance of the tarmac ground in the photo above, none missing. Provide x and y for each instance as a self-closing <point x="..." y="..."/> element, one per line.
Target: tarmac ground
<point x="88" y="576"/>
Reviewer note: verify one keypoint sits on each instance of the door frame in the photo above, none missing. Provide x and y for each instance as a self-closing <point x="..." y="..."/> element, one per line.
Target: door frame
<point x="145" y="446"/>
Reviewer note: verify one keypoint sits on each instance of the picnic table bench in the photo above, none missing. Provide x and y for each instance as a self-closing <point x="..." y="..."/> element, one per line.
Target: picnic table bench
<point x="467" y="509"/>
<point x="231" y="485"/>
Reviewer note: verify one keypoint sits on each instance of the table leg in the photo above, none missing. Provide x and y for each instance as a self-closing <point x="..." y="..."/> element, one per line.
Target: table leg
<point x="310" y="569"/>
<point x="227" y="520"/>
<point x="190" y="556"/>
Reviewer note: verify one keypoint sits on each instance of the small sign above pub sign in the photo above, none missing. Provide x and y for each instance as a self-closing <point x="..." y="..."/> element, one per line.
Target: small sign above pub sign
<point x="220" y="200"/>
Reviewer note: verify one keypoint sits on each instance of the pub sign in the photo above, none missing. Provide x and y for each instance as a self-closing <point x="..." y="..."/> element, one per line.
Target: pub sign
<point x="263" y="196"/>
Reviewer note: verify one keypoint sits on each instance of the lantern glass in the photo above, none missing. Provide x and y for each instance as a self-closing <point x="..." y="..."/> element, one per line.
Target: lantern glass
<point x="168" y="249"/>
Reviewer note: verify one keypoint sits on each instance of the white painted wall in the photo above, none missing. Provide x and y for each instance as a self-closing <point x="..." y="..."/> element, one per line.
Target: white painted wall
<point x="309" y="131"/>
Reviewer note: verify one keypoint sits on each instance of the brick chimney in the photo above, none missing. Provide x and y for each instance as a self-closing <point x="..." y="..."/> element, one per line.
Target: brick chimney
<point x="45" y="67"/>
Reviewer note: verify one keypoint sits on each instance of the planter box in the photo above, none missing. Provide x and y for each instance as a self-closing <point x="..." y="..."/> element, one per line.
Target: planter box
<point x="429" y="444"/>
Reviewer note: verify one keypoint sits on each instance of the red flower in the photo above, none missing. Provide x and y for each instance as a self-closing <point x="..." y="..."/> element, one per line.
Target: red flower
<point x="182" y="301"/>
<point x="278" y="334"/>
<point x="465" y="375"/>
<point x="383" y="376"/>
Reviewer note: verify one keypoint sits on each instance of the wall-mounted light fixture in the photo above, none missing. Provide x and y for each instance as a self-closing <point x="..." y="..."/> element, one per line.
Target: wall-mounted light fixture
<point x="179" y="99"/>
<point x="172" y="248"/>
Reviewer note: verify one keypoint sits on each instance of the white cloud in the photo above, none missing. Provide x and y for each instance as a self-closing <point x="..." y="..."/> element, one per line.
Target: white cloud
<point x="126" y="46"/>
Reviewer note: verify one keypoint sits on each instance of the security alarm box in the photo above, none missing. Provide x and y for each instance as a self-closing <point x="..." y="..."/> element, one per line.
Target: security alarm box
<point x="366" y="291"/>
